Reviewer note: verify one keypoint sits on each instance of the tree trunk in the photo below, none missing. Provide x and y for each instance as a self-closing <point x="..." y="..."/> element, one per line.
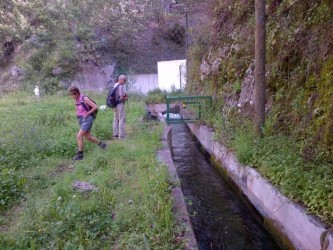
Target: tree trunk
<point x="260" y="59"/>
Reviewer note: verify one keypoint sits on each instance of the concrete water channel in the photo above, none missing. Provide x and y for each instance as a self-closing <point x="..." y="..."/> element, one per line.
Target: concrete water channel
<point x="217" y="216"/>
<point x="220" y="218"/>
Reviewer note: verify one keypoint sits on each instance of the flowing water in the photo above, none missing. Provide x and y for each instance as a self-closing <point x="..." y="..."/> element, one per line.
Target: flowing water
<point x="219" y="217"/>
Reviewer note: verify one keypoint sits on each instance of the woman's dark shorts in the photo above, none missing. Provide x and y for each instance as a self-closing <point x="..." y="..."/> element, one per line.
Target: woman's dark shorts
<point x="85" y="123"/>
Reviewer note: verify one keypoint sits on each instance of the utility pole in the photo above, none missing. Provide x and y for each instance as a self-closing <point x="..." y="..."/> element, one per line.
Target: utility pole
<point x="186" y="43"/>
<point x="180" y="77"/>
<point x="186" y="29"/>
<point x="260" y="60"/>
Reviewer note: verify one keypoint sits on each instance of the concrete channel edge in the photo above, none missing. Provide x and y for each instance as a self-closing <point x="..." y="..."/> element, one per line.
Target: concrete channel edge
<point x="287" y="221"/>
<point x="179" y="205"/>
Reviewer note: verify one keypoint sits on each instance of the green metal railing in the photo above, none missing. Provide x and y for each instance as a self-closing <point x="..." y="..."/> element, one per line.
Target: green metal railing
<point x="188" y="108"/>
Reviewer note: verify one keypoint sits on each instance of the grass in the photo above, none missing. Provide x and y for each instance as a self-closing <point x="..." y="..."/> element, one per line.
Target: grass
<point x="132" y="208"/>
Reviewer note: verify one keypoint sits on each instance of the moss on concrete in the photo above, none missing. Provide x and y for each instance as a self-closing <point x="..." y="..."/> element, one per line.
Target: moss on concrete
<point x="276" y="231"/>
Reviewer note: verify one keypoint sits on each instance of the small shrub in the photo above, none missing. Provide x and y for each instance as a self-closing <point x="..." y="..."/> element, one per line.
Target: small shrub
<point x="156" y="96"/>
<point x="159" y="96"/>
<point x="11" y="187"/>
<point x="50" y="85"/>
<point x="176" y="34"/>
<point x="244" y="144"/>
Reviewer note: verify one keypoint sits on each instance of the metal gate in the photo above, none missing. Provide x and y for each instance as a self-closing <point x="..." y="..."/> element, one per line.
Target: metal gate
<point x="186" y="109"/>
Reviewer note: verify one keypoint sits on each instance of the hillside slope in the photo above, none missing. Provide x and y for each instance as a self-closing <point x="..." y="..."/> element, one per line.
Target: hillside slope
<point x="61" y="43"/>
<point x="299" y="65"/>
<point x="297" y="151"/>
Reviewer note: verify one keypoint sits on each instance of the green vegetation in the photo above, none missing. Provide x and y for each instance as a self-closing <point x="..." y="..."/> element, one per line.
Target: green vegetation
<point x="280" y="159"/>
<point x="156" y="96"/>
<point x="159" y="96"/>
<point x="38" y="137"/>
<point x="299" y="72"/>
<point x="296" y="153"/>
<point x="52" y="42"/>
<point x="132" y="207"/>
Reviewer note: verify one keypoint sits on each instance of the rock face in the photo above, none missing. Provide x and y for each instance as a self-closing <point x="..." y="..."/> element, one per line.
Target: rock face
<point x="247" y="91"/>
<point x="93" y="77"/>
<point x="16" y="71"/>
<point x="243" y="101"/>
<point x="211" y="65"/>
<point x="205" y="69"/>
<point x="57" y="71"/>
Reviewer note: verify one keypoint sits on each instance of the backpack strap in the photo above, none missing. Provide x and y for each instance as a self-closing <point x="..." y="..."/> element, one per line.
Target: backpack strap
<point x="83" y="104"/>
<point x="115" y="93"/>
<point x="115" y="89"/>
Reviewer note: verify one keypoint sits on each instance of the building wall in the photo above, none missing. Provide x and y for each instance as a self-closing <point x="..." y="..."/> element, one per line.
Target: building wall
<point x="171" y="74"/>
<point x="142" y="83"/>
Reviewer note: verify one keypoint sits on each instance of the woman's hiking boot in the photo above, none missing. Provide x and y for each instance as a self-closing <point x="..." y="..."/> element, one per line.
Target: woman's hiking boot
<point x="102" y="145"/>
<point x="78" y="156"/>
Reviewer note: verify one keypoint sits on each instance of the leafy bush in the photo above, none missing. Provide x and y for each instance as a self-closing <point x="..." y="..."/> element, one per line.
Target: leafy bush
<point x="176" y="34"/>
<point x="11" y="187"/>
<point x="50" y="85"/>
<point x="159" y="96"/>
<point x="156" y="96"/>
<point x="42" y="61"/>
<point x="66" y="57"/>
<point x="39" y="56"/>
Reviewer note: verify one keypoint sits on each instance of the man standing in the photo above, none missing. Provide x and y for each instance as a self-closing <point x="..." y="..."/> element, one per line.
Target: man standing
<point x="119" y="118"/>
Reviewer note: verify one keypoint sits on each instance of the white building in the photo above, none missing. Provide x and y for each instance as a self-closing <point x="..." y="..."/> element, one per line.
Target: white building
<point x="171" y="74"/>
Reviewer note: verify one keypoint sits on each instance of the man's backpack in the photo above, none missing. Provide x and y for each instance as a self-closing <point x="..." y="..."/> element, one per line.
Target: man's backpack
<point x="111" y="99"/>
<point x="87" y="107"/>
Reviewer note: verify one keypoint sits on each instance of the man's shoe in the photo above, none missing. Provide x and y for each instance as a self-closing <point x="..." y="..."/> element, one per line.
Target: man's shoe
<point x="102" y="145"/>
<point x="78" y="156"/>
